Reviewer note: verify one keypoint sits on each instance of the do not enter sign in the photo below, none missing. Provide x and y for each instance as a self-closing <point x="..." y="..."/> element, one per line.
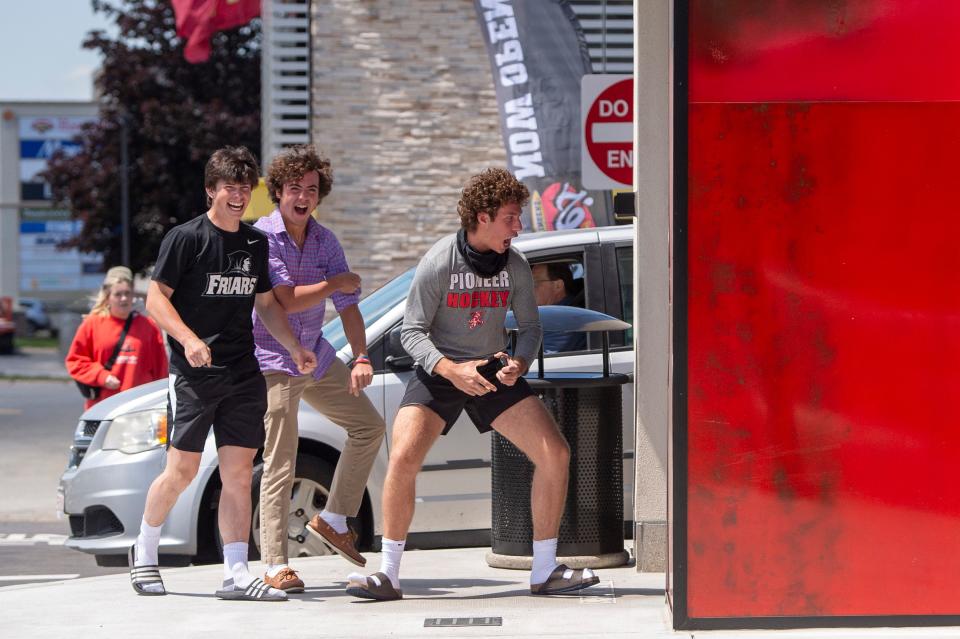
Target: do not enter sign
<point x="606" y="113"/>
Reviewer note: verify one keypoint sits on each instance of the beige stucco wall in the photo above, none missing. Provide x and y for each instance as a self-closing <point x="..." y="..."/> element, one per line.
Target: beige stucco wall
<point x="404" y="104"/>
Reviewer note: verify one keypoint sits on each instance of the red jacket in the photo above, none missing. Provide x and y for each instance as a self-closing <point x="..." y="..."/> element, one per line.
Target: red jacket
<point x="142" y="358"/>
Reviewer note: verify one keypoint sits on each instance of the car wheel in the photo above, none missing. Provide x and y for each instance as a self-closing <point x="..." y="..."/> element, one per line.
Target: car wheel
<point x="311" y="487"/>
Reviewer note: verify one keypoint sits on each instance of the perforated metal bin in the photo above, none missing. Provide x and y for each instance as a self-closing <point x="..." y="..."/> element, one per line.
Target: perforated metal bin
<point x="588" y="409"/>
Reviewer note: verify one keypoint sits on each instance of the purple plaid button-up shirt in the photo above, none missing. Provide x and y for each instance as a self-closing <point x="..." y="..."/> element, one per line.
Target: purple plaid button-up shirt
<point x="322" y="257"/>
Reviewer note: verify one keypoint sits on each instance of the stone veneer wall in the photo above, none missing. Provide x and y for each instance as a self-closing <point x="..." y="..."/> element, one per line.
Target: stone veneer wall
<point x="404" y="104"/>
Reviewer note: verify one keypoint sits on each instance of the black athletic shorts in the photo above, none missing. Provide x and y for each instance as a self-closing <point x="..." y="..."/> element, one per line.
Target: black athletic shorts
<point x="232" y="400"/>
<point x="446" y="400"/>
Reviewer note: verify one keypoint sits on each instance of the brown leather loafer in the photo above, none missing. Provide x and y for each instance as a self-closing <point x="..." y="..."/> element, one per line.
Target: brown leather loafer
<point x="285" y="580"/>
<point x="344" y="544"/>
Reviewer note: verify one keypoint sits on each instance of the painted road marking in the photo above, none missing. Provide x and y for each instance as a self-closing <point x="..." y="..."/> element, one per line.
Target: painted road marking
<point x="30" y="539"/>
<point x="37" y="577"/>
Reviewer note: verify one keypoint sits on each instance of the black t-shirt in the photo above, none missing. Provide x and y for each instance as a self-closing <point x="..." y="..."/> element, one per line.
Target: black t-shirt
<point x="215" y="276"/>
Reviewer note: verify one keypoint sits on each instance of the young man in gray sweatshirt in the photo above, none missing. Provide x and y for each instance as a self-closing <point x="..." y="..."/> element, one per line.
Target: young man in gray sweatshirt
<point x="454" y="329"/>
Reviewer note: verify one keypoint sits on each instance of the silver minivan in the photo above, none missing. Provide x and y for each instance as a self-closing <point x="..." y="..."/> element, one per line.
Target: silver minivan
<point x="119" y="444"/>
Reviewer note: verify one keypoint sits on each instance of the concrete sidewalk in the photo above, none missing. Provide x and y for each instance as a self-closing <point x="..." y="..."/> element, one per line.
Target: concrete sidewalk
<point x="447" y="584"/>
<point x="33" y="363"/>
<point x="437" y="584"/>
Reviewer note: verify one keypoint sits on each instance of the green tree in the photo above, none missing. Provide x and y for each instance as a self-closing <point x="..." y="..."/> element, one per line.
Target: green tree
<point x="177" y="114"/>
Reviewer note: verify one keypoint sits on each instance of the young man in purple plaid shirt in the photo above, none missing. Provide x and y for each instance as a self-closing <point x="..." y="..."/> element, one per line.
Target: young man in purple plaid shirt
<point x="307" y="265"/>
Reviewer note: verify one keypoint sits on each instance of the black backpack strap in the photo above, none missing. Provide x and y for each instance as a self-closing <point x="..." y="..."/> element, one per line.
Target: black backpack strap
<point x="123" y="336"/>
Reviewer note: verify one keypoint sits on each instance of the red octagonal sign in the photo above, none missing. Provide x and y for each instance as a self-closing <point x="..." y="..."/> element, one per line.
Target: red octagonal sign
<point x="608" y="132"/>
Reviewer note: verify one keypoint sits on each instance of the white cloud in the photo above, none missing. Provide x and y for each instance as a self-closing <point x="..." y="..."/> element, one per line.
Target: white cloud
<point x="82" y="72"/>
<point x="77" y="82"/>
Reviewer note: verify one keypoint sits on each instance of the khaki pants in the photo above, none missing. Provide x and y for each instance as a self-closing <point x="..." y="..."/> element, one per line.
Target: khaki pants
<point x="331" y="397"/>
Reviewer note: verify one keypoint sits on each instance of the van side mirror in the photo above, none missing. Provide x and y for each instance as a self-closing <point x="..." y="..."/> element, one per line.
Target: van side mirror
<point x="397" y="358"/>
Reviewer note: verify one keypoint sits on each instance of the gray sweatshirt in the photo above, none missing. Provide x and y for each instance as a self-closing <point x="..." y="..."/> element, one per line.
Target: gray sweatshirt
<point x="452" y="312"/>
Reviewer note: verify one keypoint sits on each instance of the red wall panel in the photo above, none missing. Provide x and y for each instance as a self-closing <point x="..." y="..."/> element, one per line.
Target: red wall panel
<point x="823" y="314"/>
<point x="778" y="50"/>
<point x="824" y="340"/>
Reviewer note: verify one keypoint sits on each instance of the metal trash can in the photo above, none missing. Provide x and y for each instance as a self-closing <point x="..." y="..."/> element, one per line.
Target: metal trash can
<point x="588" y="409"/>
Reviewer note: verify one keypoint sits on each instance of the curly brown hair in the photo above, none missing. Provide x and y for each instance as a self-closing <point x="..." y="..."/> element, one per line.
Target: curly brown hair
<point x="486" y="192"/>
<point x="291" y="164"/>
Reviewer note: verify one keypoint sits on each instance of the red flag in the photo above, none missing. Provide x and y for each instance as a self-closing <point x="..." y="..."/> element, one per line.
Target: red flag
<point x="198" y="20"/>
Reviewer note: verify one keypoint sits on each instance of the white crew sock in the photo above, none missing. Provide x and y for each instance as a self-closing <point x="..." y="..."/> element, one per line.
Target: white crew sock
<point x="391" y="552"/>
<point x="148" y="544"/>
<point x="337" y="522"/>
<point x="235" y="564"/>
<point x="274" y="569"/>
<point x="544" y="560"/>
<point x="147" y="551"/>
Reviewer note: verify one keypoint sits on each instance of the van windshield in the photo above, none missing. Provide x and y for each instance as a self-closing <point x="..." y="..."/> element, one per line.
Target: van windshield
<point x="372" y="307"/>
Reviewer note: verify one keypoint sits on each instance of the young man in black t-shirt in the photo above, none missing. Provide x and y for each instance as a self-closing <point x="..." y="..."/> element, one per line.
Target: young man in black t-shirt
<point x="210" y="274"/>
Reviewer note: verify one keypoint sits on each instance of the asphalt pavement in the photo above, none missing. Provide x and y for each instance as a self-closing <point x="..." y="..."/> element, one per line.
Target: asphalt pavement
<point x="33" y="363"/>
<point x="34" y="552"/>
<point x="37" y="420"/>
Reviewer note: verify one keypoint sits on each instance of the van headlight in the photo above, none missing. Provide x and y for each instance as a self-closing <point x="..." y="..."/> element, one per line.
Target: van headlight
<point x="137" y="432"/>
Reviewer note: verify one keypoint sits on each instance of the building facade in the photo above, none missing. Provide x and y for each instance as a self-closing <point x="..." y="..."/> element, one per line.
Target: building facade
<point x="401" y="96"/>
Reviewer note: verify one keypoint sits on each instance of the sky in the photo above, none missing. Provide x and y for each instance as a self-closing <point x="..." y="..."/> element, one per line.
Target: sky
<point x="40" y="53"/>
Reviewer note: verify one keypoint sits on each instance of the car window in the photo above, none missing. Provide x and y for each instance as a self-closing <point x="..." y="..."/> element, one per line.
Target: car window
<point x="372" y="307"/>
<point x="625" y="271"/>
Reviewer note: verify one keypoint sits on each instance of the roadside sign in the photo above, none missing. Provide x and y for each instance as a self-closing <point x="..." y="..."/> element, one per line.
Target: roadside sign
<point x="606" y="118"/>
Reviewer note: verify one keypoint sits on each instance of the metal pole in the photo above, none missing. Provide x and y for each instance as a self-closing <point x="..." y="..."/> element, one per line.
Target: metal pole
<point x="124" y="191"/>
<point x="603" y="30"/>
<point x="606" y="354"/>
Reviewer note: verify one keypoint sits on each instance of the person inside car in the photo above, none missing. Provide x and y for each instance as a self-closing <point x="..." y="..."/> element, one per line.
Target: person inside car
<point x="554" y="285"/>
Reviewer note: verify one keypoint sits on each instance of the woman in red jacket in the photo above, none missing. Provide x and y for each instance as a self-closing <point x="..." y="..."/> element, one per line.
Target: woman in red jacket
<point x="142" y="357"/>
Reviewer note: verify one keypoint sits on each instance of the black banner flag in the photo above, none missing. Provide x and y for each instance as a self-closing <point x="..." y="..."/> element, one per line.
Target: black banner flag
<point x="538" y="55"/>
